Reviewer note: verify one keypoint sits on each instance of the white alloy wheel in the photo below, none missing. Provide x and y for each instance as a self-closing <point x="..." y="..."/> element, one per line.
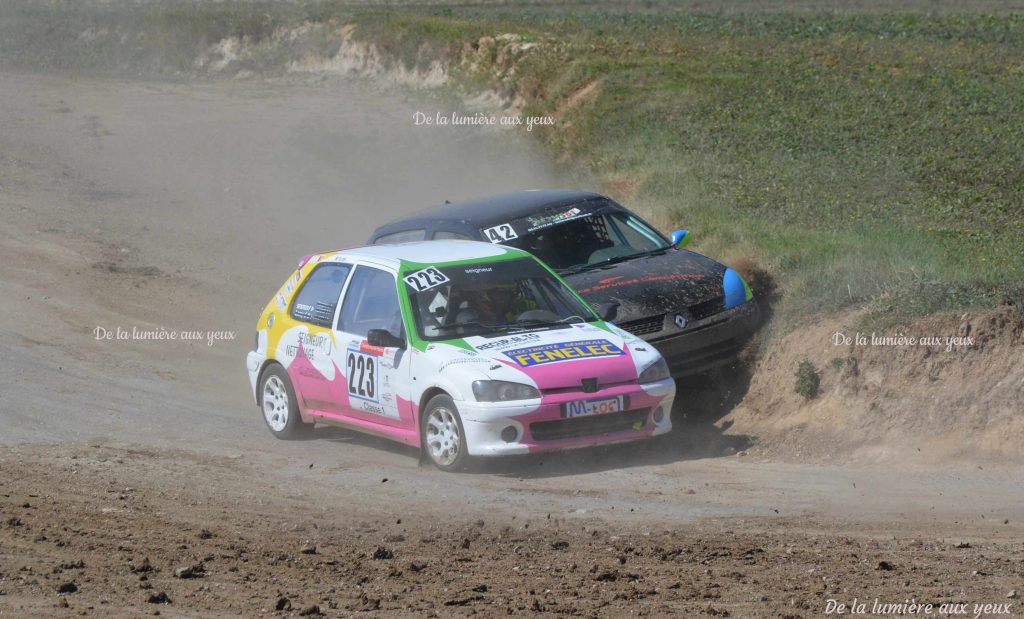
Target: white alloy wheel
<point x="442" y="435"/>
<point x="280" y="405"/>
<point x="275" y="403"/>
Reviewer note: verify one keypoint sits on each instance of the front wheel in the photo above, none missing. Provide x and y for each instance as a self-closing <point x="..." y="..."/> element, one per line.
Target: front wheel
<point x="280" y="407"/>
<point x="442" y="435"/>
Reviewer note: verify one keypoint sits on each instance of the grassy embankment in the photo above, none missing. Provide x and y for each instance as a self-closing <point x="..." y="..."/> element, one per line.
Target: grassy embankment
<point x="865" y="160"/>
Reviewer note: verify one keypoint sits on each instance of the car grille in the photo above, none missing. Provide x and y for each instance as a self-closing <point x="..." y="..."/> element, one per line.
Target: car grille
<point x="643" y="326"/>
<point x="707" y="308"/>
<point x="587" y="426"/>
<point x="576" y="388"/>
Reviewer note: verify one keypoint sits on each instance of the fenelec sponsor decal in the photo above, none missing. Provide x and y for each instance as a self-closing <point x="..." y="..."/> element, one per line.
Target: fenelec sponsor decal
<point x="563" y="351"/>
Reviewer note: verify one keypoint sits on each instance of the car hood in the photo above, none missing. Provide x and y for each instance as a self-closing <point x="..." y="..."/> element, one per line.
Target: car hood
<point x="549" y="359"/>
<point x="654" y="284"/>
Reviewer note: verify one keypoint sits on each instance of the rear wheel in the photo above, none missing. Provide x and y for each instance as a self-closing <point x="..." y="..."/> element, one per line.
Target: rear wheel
<point x="442" y="435"/>
<point x="279" y="405"/>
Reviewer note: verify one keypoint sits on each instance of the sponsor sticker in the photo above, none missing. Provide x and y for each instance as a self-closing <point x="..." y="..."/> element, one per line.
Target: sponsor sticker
<point x="370" y="407"/>
<point x="616" y="282"/>
<point x="311" y="344"/>
<point x="291" y="283"/>
<point x="370" y="349"/>
<point x="536" y="223"/>
<point x="505" y="342"/>
<point x="563" y="351"/>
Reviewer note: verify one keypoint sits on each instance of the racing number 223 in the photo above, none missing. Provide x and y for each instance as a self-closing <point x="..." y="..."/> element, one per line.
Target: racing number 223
<point x="425" y="279"/>
<point x="362" y="376"/>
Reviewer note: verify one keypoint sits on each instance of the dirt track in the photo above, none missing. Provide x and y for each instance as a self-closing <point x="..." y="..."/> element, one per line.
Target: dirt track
<point x="183" y="206"/>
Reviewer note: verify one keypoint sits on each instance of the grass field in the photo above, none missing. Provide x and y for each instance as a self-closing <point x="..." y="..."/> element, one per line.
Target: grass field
<point x="865" y="158"/>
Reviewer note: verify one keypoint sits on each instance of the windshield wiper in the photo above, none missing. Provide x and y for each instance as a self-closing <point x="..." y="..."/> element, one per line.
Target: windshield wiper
<point x="472" y="324"/>
<point x="570" y="269"/>
<point x="618" y="259"/>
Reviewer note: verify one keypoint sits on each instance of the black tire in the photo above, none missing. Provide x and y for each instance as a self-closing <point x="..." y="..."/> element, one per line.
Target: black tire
<point x="442" y="436"/>
<point x="279" y="405"/>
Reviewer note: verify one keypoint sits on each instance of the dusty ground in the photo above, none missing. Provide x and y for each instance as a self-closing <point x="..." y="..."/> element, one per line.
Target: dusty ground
<point x="183" y="206"/>
<point x="95" y="519"/>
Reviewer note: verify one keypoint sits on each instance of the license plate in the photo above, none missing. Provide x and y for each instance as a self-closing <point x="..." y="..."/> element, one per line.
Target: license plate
<point x="592" y="407"/>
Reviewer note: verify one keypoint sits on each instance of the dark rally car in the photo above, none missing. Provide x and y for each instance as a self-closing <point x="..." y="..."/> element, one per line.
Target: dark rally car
<point x="697" y="312"/>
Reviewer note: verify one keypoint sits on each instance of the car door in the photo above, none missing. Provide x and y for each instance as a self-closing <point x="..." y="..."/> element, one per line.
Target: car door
<point x="311" y="350"/>
<point x="376" y="377"/>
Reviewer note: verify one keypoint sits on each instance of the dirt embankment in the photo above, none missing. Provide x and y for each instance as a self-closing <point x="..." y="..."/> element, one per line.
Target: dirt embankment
<point x="333" y="48"/>
<point x="947" y="386"/>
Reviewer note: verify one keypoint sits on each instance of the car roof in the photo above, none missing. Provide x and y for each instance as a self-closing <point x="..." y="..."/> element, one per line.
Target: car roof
<point x="431" y="252"/>
<point x="490" y="209"/>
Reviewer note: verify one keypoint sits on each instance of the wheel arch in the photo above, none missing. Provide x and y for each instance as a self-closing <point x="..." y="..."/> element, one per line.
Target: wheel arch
<point x="269" y="363"/>
<point x="266" y="365"/>
<point x="428" y="395"/>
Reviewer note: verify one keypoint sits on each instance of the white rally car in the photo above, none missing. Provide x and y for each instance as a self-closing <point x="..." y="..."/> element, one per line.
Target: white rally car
<point x="459" y="348"/>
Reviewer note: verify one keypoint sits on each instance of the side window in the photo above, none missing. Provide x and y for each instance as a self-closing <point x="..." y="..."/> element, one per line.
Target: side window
<point x="635" y="233"/>
<point x="371" y="302"/>
<point x="445" y="235"/>
<point x="406" y="236"/>
<point x="318" y="298"/>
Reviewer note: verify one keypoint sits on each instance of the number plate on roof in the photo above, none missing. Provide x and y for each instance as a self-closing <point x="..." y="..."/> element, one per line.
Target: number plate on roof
<point x="425" y="279"/>
<point x="500" y="233"/>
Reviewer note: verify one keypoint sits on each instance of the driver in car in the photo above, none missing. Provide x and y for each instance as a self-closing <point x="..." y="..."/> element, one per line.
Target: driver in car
<point x="495" y="304"/>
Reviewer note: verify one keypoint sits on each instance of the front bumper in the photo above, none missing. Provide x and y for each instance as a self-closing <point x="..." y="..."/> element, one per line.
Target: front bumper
<point x="540" y="425"/>
<point x="709" y="343"/>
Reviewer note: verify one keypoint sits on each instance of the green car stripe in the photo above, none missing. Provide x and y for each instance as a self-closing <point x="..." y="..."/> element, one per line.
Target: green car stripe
<point x="407" y="267"/>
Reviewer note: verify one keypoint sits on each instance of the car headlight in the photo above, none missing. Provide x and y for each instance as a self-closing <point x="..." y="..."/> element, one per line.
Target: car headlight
<point x="502" y="391"/>
<point x="655" y="371"/>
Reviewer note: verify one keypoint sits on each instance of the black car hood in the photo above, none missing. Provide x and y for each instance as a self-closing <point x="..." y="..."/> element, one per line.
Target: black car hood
<point x="651" y="285"/>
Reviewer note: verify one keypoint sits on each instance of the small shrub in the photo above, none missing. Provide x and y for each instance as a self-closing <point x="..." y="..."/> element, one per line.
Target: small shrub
<point x="807" y="380"/>
<point x="836" y="363"/>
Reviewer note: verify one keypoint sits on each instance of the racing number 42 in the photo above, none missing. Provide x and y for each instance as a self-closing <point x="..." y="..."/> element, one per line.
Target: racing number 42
<point x="362" y="375"/>
<point x="501" y="233"/>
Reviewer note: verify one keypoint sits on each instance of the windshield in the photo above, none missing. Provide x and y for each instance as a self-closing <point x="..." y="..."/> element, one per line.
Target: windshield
<point x="490" y="299"/>
<point x="571" y="239"/>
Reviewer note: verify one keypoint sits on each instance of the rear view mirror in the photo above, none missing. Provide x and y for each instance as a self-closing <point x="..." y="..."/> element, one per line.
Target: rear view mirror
<point x="681" y="238"/>
<point x="607" y="311"/>
<point x="383" y="337"/>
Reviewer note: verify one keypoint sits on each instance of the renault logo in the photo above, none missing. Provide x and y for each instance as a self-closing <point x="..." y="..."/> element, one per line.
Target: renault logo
<point x="589" y="385"/>
<point x="681" y="321"/>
